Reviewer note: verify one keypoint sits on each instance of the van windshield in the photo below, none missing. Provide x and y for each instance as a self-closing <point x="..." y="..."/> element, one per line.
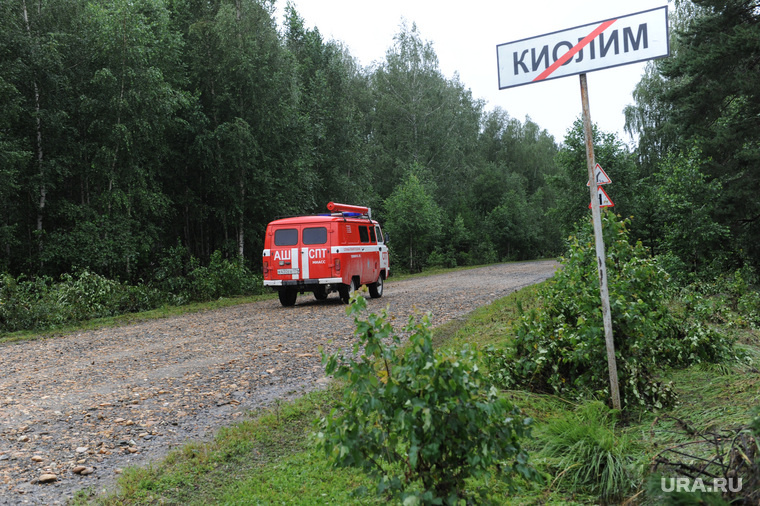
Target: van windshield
<point x="316" y="235"/>
<point x="286" y="237"/>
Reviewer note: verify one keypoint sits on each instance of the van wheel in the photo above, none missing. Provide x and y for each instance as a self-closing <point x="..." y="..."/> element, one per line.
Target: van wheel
<point x="346" y="291"/>
<point x="376" y="288"/>
<point x="287" y="297"/>
<point x="320" y="293"/>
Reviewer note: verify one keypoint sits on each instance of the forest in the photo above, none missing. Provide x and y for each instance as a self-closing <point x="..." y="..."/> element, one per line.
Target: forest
<point x="146" y="141"/>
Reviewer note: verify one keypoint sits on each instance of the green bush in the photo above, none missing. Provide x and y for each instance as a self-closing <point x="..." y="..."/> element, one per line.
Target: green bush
<point x="86" y="295"/>
<point x="731" y="299"/>
<point x="186" y="279"/>
<point x="221" y="278"/>
<point x="560" y="347"/>
<point x="39" y="304"/>
<point x="421" y="421"/>
<point x="442" y="258"/>
<point x="171" y="274"/>
<point x="589" y="455"/>
<point x="24" y="303"/>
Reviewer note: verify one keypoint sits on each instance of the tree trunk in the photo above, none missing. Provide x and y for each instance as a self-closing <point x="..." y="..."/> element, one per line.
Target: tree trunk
<point x="241" y="222"/>
<point x="40" y="157"/>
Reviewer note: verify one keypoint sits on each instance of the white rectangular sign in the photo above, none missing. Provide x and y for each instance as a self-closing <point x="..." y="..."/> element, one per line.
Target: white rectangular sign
<point x="619" y="41"/>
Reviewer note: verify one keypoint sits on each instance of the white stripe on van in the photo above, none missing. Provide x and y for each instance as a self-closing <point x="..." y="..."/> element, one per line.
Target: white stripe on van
<point x="357" y="249"/>
<point x="294" y="261"/>
<point x="305" y="262"/>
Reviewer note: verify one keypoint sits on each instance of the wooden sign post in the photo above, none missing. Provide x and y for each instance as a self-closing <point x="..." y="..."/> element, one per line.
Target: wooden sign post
<point x="596" y="216"/>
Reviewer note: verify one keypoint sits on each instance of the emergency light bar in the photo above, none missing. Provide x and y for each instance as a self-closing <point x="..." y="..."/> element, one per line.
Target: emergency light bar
<point x="345" y="208"/>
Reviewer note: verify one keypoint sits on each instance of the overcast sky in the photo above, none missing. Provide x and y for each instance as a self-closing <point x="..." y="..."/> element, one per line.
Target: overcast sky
<point x="465" y="35"/>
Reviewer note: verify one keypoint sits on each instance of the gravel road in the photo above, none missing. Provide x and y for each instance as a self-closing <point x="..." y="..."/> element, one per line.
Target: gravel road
<point x="77" y="409"/>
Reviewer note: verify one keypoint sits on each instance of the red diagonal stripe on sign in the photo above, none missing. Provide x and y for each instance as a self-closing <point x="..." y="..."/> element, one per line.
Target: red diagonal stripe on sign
<point x="583" y="43"/>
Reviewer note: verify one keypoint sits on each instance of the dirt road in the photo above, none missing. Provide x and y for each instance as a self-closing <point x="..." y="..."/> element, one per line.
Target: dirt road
<point x="77" y="409"/>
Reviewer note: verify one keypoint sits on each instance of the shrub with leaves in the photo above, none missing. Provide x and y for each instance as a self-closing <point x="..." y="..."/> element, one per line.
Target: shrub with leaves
<point x="421" y="421"/>
<point x="186" y="279"/>
<point x="560" y="347"/>
<point x="25" y="303"/>
<point x="731" y="299"/>
<point x="41" y="303"/>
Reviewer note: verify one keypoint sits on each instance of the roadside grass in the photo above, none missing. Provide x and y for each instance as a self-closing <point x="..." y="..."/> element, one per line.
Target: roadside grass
<point x="486" y="325"/>
<point x="268" y="459"/>
<point x="271" y="458"/>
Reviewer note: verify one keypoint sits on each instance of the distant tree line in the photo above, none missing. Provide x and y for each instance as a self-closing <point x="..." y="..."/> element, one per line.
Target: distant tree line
<point x="133" y="131"/>
<point x="132" y="126"/>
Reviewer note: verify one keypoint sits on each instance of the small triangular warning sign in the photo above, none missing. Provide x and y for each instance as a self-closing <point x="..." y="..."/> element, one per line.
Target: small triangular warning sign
<point x="600" y="176"/>
<point x="604" y="199"/>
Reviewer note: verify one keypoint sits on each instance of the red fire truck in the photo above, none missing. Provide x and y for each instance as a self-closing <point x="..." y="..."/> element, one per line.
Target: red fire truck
<point x="334" y="252"/>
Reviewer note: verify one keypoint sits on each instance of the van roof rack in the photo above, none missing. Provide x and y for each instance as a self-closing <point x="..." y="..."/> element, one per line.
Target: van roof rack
<point x="337" y="210"/>
<point x="349" y="210"/>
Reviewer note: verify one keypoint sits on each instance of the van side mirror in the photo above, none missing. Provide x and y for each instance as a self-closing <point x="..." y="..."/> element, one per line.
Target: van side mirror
<point x="387" y="237"/>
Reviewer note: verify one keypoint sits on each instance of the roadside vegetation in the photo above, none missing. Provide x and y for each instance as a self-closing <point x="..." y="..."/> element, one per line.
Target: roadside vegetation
<point x="43" y="304"/>
<point x="372" y="434"/>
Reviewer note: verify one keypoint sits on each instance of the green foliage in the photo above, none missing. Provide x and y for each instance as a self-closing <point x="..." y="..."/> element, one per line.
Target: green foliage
<point x="187" y="280"/>
<point x="511" y="147"/>
<point x="732" y="299"/>
<point x="131" y="124"/>
<point x="221" y="278"/>
<point x="40" y="303"/>
<point x="696" y="244"/>
<point x="560" y="347"/>
<point x="413" y="221"/>
<point x="456" y="246"/>
<point x="755" y="423"/>
<point x="24" y="304"/>
<point x="421" y="421"/>
<point x="509" y="224"/>
<point x="706" y="94"/>
<point x="420" y="117"/>
<point x="748" y="307"/>
<point x="590" y="455"/>
<point x="569" y="182"/>
<point x="87" y="295"/>
<point x="331" y="101"/>
<point x="171" y="274"/>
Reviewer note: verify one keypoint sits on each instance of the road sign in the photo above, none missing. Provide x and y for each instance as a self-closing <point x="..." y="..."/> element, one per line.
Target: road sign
<point x="600" y="176"/>
<point x="619" y="41"/>
<point x="602" y="198"/>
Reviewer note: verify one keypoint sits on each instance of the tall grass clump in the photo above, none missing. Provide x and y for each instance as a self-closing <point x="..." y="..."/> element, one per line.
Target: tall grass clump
<point x="590" y="455"/>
